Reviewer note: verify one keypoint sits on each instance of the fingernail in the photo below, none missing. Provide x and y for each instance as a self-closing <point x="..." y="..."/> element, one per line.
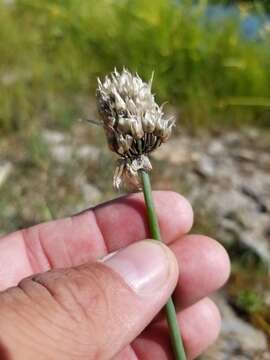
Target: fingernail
<point x="145" y="266"/>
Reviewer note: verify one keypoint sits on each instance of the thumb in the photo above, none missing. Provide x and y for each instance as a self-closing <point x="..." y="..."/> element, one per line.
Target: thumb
<point x="91" y="311"/>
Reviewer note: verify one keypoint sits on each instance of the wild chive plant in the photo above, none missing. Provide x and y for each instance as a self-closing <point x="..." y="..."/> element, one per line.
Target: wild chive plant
<point x="135" y="126"/>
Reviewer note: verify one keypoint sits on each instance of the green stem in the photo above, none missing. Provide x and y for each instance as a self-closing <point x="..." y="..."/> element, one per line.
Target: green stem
<point x="175" y="335"/>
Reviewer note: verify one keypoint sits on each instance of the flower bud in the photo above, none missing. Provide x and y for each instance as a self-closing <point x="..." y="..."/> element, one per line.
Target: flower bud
<point x="134" y="123"/>
<point x="148" y="122"/>
<point x="119" y="102"/>
<point x="136" y="128"/>
<point x="124" y="143"/>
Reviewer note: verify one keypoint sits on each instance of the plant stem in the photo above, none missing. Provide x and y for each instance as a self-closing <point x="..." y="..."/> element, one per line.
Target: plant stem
<point x="176" y="340"/>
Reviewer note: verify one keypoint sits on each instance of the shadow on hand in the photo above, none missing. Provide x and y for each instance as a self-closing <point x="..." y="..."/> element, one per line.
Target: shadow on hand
<point x="4" y="353"/>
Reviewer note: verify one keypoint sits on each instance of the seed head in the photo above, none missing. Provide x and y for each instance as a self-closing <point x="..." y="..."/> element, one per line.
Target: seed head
<point x="133" y="122"/>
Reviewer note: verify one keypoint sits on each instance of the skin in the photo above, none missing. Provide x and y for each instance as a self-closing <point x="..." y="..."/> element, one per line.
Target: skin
<point x="39" y="320"/>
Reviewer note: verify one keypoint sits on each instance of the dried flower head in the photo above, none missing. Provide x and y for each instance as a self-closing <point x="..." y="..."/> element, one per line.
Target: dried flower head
<point x="134" y="124"/>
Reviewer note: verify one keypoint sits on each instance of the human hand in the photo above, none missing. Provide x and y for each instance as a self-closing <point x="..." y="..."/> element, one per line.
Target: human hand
<point x="69" y="306"/>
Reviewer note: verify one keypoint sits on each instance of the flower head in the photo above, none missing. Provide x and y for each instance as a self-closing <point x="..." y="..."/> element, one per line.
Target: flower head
<point x="134" y="124"/>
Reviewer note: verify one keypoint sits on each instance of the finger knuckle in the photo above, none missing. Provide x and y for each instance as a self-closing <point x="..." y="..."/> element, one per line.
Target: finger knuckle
<point x="77" y="291"/>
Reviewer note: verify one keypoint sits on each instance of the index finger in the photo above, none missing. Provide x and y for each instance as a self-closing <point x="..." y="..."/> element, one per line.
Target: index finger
<point x="89" y="235"/>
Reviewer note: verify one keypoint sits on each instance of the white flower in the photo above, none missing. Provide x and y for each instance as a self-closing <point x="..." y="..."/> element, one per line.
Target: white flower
<point x="134" y="124"/>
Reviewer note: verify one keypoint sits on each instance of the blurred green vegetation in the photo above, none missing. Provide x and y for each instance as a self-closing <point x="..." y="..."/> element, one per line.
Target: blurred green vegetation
<point x="249" y="301"/>
<point x="53" y="50"/>
<point x="247" y="288"/>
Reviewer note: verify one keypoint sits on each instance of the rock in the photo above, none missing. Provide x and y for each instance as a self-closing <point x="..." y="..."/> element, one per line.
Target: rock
<point x="251" y="132"/>
<point x="231" y="138"/>
<point x="61" y="153"/>
<point x="245" y="155"/>
<point x="238" y="339"/>
<point x="206" y="166"/>
<point x="53" y="137"/>
<point x="90" y="193"/>
<point x="62" y="149"/>
<point x="88" y="152"/>
<point x="177" y="152"/>
<point x="231" y="179"/>
<point x="238" y="200"/>
<point x="5" y="170"/>
<point x="215" y="148"/>
<point x="238" y="214"/>
<point x="255" y="196"/>
<point x="59" y="145"/>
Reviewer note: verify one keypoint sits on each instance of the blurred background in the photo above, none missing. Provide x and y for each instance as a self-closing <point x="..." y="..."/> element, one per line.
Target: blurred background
<point x="211" y="63"/>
